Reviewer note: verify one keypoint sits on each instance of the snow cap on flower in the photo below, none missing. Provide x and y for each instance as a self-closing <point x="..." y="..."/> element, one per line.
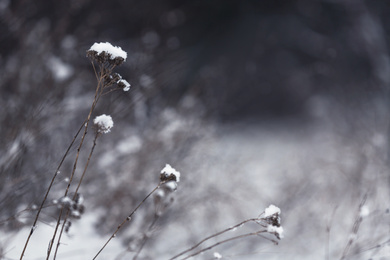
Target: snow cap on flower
<point x="271" y="210"/>
<point x="169" y="174"/>
<point x="104" y="123"/>
<point x="105" y="52"/>
<point x="271" y="216"/>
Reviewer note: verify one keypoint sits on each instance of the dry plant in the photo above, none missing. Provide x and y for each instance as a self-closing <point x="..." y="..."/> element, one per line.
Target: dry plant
<point x="104" y="59"/>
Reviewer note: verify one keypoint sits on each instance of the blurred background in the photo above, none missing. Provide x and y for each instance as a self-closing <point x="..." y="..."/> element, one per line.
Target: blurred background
<point x="254" y="102"/>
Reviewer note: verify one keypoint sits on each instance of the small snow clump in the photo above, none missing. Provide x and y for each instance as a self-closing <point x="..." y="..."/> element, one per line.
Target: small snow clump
<point x="364" y="211"/>
<point x="271" y="210"/>
<point x="113" y="51"/>
<point x="169" y="174"/>
<point x="105" y="52"/>
<point x="217" y="255"/>
<point x="104" y="123"/>
<point x="124" y="84"/>
<point x="278" y="231"/>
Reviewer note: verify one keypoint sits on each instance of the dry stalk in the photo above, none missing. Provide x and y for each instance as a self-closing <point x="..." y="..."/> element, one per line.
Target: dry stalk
<point x="212" y="236"/>
<point x="76" y="192"/>
<point x="48" y="190"/>
<point x="128" y="218"/>
<point x="225" y="241"/>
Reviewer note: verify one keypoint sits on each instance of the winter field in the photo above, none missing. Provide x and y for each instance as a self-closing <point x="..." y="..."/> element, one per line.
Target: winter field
<point x="173" y="130"/>
<point x="330" y="182"/>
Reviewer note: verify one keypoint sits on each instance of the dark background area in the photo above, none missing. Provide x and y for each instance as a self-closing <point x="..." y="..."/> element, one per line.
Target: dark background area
<point x="240" y="58"/>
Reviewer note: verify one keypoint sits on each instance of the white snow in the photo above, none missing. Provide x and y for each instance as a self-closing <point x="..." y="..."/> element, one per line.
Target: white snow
<point x="104" y="122"/>
<point x="82" y="241"/>
<point x="364" y="211"/>
<point x="66" y="200"/>
<point x="168" y="171"/>
<point x="275" y="229"/>
<point x="171" y="185"/>
<point x="217" y="255"/>
<point x="124" y="82"/>
<point x="271" y="210"/>
<point x="107" y="47"/>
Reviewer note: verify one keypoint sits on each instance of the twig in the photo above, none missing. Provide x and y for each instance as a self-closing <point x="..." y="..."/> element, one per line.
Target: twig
<point x="355" y="228"/>
<point x="225" y="241"/>
<point x="75" y="194"/>
<point x="75" y="164"/>
<point x="212" y="236"/>
<point x="128" y="218"/>
<point x="48" y="190"/>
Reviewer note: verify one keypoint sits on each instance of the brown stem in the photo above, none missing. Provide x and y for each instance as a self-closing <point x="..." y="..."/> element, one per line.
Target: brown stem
<point x="225" y="241"/>
<point x="128" y="218"/>
<point x="212" y="236"/>
<point x="75" y="194"/>
<point x="48" y="190"/>
<point x="75" y="162"/>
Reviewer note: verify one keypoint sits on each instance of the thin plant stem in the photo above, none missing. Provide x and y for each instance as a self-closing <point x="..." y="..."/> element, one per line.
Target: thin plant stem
<point x="75" y="163"/>
<point x="75" y="194"/>
<point x="225" y="241"/>
<point x="48" y="190"/>
<point x="128" y="218"/>
<point x="212" y="236"/>
<point x="145" y="238"/>
<point x="355" y="228"/>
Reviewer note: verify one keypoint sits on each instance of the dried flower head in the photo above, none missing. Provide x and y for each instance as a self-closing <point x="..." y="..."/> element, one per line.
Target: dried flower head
<point x="169" y="174"/>
<point x="104" y="123"/>
<point x="271" y="220"/>
<point x="105" y="52"/>
<point x="123" y="84"/>
<point x="277" y="231"/>
<point x="75" y="206"/>
<point x="271" y="215"/>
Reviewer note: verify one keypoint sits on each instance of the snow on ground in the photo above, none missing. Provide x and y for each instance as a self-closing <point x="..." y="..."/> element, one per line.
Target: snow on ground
<point x="316" y="176"/>
<point x="82" y="242"/>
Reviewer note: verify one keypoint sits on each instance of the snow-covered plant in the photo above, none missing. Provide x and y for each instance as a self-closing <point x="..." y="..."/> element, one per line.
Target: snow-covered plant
<point x="104" y="123"/>
<point x="173" y="176"/>
<point x="169" y="174"/>
<point x="106" y="57"/>
<point x="268" y="220"/>
<point x="105" y="52"/>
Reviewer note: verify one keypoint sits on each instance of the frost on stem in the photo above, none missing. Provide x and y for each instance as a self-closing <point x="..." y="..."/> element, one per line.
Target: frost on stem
<point x="106" y="52"/>
<point x="169" y="174"/>
<point x="104" y="123"/>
